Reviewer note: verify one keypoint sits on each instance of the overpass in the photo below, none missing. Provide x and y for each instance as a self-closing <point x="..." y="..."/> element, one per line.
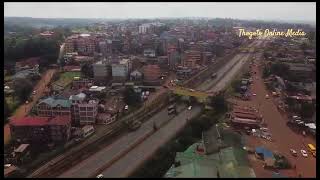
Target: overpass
<point x="200" y="95"/>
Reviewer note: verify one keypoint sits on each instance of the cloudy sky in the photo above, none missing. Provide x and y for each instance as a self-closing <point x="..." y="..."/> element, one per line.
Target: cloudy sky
<point x="259" y="10"/>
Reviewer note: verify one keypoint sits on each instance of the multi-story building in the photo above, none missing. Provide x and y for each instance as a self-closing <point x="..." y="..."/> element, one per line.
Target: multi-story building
<point x="86" y="45"/>
<point x="149" y="53"/>
<point x="173" y="57"/>
<point x="191" y="58"/>
<point x="41" y="129"/>
<point x="101" y="70"/>
<point x="53" y="106"/>
<point x="121" y="70"/>
<point x="83" y="111"/>
<point x="151" y="74"/>
<point x="79" y="83"/>
<point x="70" y="44"/>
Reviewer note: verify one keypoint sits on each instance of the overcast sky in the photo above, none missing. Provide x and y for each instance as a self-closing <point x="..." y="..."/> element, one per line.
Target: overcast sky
<point x="260" y="11"/>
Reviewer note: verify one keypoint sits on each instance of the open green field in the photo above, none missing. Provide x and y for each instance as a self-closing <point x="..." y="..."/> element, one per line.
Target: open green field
<point x="67" y="77"/>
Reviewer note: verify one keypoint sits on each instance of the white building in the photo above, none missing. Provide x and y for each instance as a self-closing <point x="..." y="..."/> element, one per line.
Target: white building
<point x="149" y="53"/>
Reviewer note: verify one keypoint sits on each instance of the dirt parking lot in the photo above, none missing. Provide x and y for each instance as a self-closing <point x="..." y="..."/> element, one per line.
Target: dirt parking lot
<point x="283" y="137"/>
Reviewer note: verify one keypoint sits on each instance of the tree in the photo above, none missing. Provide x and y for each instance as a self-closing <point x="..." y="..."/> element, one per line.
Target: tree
<point x="87" y="70"/>
<point x="219" y="103"/>
<point x="131" y="97"/>
<point x="22" y="89"/>
<point x="235" y="84"/>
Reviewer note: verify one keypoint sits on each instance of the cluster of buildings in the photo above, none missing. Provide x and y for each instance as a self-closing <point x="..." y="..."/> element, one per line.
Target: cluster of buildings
<point x="298" y="84"/>
<point x="242" y="117"/>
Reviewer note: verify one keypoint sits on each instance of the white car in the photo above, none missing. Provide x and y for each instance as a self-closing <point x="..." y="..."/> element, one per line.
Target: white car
<point x="190" y="107"/>
<point x="100" y="176"/>
<point x="7" y="165"/>
<point x="34" y="92"/>
<point x="267" y="96"/>
<point x="126" y="107"/>
<point x="254" y="94"/>
<point x="304" y="153"/>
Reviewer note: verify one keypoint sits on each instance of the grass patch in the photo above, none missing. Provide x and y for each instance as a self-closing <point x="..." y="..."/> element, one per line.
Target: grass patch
<point x="13" y="104"/>
<point x="67" y="77"/>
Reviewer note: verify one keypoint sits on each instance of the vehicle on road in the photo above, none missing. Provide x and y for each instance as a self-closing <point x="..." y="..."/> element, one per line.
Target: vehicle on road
<point x="27" y="102"/>
<point x="190" y="107"/>
<point x="214" y="75"/>
<point x="312" y="149"/>
<point x="254" y="94"/>
<point x="100" y="176"/>
<point x="267" y="96"/>
<point x="135" y="125"/>
<point x="126" y="107"/>
<point x="34" y="92"/>
<point x="7" y="165"/>
<point x="304" y="153"/>
<point x="192" y="90"/>
<point x="87" y="130"/>
<point x="293" y="152"/>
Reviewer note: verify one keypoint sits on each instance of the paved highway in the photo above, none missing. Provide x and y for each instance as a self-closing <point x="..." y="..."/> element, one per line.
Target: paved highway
<point x="224" y="70"/>
<point x="102" y="157"/>
<point x="136" y="157"/>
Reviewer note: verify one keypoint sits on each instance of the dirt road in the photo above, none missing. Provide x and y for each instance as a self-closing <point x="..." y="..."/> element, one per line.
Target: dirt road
<point x="284" y="137"/>
<point x="24" y="109"/>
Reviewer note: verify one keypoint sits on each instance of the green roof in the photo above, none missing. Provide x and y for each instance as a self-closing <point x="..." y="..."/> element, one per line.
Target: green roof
<point x="193" y="164"/>
<point x="53" y="102"/>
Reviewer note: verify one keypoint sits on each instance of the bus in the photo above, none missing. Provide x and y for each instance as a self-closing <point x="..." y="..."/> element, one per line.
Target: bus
<point x="87" y="130"/>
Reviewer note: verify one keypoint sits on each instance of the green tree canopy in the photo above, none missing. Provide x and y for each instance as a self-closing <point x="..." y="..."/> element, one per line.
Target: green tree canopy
<point x="22" y="89"/>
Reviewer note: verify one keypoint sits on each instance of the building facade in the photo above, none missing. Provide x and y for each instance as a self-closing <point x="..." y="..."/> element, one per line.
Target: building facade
<point x="53" y="106"/>
<point x="41" y="129"/>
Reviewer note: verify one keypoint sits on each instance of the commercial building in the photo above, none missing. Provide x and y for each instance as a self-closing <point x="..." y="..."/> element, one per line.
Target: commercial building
<point x="84" y="111"/>
<point x="303" y="71"/>
<point x="245" y="118"/>
<point x="211" y="158"/>
<point x="151" y="75"/>
<point x="101" y="70"/>
<point x="41" y="129"/>
<point x="149" y="53"/>
<point x="121" y="70"/>
<point x="53" y="106"/>
<point x="191" y="59"/>
<point x="85" y="44"/>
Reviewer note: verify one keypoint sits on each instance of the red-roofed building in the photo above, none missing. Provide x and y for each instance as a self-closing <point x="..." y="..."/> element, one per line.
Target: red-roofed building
<point x="72" y="68"/>
<point x="41" y="129"/>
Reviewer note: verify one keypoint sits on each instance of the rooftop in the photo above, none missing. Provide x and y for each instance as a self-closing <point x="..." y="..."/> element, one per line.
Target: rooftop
<point x="54" y="102"/>
<point x="40" y="121"/>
